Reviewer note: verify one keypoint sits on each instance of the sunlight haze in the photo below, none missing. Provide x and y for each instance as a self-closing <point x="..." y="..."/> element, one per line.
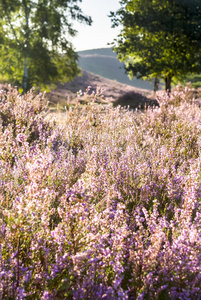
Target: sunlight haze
<point x="100" y="33"/>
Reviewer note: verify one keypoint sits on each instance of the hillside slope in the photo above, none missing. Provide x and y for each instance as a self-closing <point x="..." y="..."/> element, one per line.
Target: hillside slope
<point x="112" y="91"/>
<point x="104" y="62"/>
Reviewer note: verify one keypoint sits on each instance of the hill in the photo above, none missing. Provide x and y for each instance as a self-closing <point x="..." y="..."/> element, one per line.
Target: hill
<point x="104" y="62"/>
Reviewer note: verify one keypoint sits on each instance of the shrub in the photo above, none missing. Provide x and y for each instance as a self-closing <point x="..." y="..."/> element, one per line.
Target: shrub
<point x="104" y="206"/>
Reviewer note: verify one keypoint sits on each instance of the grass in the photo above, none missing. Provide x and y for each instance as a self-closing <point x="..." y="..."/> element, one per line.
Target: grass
<point x="103" y="205"/>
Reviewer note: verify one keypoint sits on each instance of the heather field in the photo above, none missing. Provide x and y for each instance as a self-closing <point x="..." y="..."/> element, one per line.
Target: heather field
<point x="105" y="205"/>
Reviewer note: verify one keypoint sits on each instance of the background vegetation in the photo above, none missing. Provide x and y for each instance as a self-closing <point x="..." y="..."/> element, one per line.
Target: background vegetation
<point x="159" y="39"/>
<point x="34" y="41"/>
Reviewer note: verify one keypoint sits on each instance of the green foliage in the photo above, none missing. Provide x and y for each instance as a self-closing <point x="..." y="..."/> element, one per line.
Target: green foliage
<point x="159" y="37"/>
<point x="195" y="80"/>
<point x="34" y="42"/>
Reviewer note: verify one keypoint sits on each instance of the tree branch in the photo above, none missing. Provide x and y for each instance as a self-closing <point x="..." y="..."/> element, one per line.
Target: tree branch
<point x="9" y="21"/>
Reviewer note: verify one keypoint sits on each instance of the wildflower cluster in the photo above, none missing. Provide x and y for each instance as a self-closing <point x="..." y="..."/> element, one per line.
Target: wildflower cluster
<point x="104" y="206"/>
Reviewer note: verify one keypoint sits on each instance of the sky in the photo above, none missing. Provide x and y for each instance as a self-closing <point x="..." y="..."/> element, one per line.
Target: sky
<point x="100" y="33"/>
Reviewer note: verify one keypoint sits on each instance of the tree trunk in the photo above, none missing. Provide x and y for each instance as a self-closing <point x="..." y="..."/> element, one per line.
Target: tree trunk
<point x="156" y="84"/>
<point x="25" y="79"/>
<point x="26" y="46"/>
<point x="168" y="80"/>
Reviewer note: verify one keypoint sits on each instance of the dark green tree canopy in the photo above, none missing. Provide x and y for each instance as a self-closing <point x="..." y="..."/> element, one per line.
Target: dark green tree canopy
<point x="34" y="41"/>
<point x="160" y="38"/>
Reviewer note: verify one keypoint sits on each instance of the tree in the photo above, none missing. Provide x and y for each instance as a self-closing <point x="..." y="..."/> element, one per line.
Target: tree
<point x="159" y="38"/>
<point x="34" y="41"/>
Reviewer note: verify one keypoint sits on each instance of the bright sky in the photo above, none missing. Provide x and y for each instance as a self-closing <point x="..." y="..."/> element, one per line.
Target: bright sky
<point x="100" y="33"/>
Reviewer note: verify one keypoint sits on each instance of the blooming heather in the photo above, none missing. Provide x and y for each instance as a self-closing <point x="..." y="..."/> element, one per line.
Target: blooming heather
<point x="105" y="205"/>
